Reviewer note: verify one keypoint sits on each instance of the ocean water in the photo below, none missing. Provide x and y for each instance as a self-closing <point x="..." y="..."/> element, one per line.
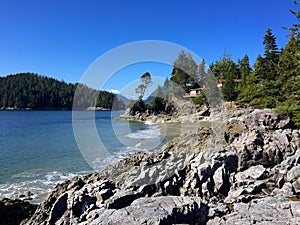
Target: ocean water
<point x="38" y="149"/>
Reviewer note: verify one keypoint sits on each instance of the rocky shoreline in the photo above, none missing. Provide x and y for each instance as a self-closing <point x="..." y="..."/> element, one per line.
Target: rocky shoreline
<point x="250" y="174"/>
<point x="182" y="112"/>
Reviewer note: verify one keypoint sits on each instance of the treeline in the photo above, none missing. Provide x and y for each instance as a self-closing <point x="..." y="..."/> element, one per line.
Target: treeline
<point x="273" y="81"/>
<point x="33" y="91"/>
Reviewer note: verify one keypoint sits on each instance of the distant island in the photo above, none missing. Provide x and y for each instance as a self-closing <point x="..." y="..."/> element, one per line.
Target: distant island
<point x="29" y="91"/>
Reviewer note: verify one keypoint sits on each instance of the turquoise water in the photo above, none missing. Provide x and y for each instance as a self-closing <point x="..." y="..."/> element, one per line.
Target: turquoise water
<point x="38" y="148"/>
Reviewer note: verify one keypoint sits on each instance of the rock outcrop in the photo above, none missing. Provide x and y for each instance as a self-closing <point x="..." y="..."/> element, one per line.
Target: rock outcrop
<point x="12" y="212"/>
<point x="177" y="110"/>
<point x="251" y="176"/>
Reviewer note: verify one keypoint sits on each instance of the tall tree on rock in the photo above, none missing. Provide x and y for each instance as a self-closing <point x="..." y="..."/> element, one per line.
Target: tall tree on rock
<point x="145" y="83"/>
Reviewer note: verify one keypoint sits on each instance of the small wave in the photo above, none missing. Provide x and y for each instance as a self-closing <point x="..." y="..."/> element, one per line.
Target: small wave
<point x="38" y="186"/>
<point x="149" y="122"/>
<point x="151" y="132"/>
<point x="100" y="163"/>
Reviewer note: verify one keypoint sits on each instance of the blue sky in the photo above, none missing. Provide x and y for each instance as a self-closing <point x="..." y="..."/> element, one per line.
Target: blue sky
<point x="62" y="38"/>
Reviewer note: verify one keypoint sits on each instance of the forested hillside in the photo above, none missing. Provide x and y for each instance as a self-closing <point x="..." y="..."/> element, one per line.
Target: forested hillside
<point x="28" y="90"/>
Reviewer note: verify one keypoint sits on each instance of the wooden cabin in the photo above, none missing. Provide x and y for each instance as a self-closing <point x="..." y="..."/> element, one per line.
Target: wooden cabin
<point x="195" y="92"/>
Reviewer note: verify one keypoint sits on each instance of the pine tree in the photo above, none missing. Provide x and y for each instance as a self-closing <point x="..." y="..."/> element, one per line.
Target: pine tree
<point x="201" y="73"/>
<point x="158" y="92"/>
<point x="184" y="71"/>
<point x="226" y="69"/>
<point x="269" y="41"/>
<point x="289" y="71"/>
<point x="221" y="67"/>
<point x="271" y="54"/>
<point x="212" y="93"/>
<point x="245" y="69"/>
<point x="230" y="88"/>
<point x="167" y="84"/>
<point x="295" y="30"/>
<point x="290" y="101"/>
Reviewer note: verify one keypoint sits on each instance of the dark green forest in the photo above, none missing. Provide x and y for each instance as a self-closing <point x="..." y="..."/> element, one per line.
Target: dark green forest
<point x="33" y="91"/>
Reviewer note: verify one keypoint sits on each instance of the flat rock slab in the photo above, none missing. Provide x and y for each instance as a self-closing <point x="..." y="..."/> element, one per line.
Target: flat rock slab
<point x="159" y="210"/>
<point x="254" y="172"/>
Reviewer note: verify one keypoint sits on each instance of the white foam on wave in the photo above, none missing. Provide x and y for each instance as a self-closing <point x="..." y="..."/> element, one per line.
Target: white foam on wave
<point x="152" y="132"/>
<point x="148" y="122"/>
<point x="39" y="185"/>
<point x="143" y="140"/>
<point x="100" y="163"/>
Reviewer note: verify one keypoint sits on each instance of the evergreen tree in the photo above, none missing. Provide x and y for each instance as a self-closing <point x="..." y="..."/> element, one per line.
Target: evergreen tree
<point x="295" y="30"/>
<point x="167" y="84"/>
<point x="230" y="90"/>
<point x="221" y="67"/>
<point x="271" y="49"/>
<point x="226" y="69"/>
<point x="245" y="69"/>
<point x="212" y="92"/>
<point x="271" y="54"/>
<point x="184" y="71"/>
<point x="289" y="70"/>
<point x="166" y="87"/>
<point x="264" y="78"/>
<point x="201" y="73"/>
<point x="158" y="92"/>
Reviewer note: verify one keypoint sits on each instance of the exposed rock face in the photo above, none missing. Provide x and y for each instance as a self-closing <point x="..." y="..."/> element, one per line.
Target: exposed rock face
<point x="269" y="210"/>
<point x="157" y="210"/>
<point x="234" y="128"/>
<point x="175" y="110"/>
<point x="194" y="179"/>
<point x="12" y="212"/>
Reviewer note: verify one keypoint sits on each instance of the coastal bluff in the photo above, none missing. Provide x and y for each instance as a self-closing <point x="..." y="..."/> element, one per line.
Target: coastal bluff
<point x="250" y="174"/>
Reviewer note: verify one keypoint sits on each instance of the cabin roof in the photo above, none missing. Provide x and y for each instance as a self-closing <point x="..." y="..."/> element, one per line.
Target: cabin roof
<point x="196" y="89"/>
